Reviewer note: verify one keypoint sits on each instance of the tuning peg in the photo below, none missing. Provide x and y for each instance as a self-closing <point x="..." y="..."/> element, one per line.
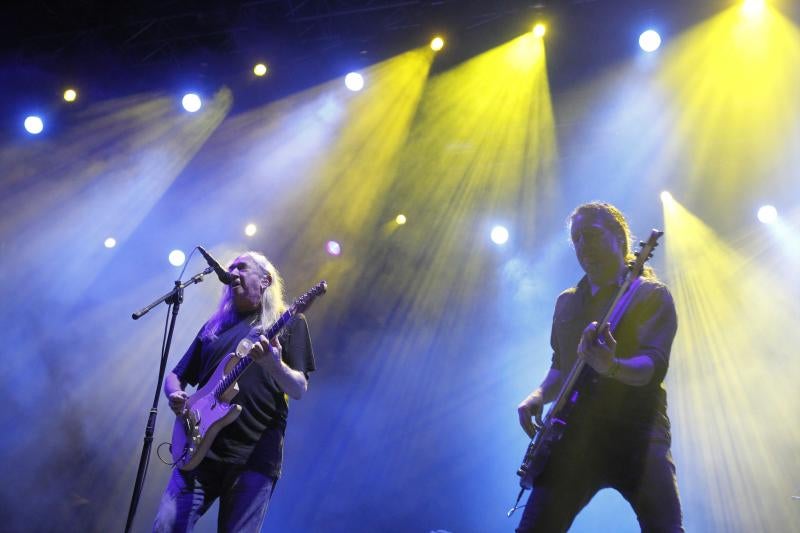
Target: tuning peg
<point x="641" y="243"/>
<point x="636" y="253"/>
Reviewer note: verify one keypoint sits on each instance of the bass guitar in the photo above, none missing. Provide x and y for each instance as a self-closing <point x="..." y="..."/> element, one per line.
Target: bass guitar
<point x="209" y="409"/>
<point x="553" y="425"/>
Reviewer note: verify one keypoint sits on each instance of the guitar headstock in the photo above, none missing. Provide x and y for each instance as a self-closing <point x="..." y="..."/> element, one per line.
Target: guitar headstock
<point x="644" y="252"/>
<point x="305" y="301"/>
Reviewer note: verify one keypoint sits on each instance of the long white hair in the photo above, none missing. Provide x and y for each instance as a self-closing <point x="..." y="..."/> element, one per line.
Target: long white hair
<point x="272" y="303"/>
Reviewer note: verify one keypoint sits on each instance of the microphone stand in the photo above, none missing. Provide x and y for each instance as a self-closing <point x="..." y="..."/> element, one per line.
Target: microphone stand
<point x="173" y="298"/>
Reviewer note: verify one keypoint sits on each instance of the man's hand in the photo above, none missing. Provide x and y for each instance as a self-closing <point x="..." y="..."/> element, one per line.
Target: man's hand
<point x="267" y="354"/>
<point x="530" y="408"/>
<point x="177" y="401"/>
<point x="598" y="352"/>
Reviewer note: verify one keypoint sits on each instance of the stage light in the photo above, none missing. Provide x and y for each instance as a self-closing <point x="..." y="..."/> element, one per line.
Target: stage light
<point x="437" y="44"/>
<point x="539" y="30"/>
<point x="34" y="125"/>
<point x="191" y="102"/>
<point x="70" y="95"/>
<point x="250" y="230"/>
<point x="260" y="69"/>
<point x="649" y="41"/>
<point x="354" y="81"/>
<point x="110" y="242"/>
<point x="176" y="258"/>
<point x="767" y="214"/>
<point x="333" y="248"/>
<point x="666" y="196"/>
<point x="753" y="7"/>
<point x="499" y="235"/>
<point x="401" y="219"/>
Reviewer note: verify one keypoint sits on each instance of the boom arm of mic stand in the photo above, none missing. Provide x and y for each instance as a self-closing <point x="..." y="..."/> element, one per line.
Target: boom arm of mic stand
<point x="197" y="278"/>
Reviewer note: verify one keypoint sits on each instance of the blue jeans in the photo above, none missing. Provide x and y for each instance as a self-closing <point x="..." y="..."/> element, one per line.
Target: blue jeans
<point x="243" y="498"/>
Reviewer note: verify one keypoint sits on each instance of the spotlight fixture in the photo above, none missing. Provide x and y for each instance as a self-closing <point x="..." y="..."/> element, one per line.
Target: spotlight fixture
<point x="401" y="219"/>
<point x="499" y="235"/>
<point x="250" y="230"/>
<point x="539" y="30"/>
<point x="191" y="102"/>
<point x="333" y="248"/>
<point x="649" y="41"/>
<point x="34" y="125"/>
<point x="110" y="242"/>
<point x="260" y="69"/>
<point x="753" y="7"/>
<point x="767" y="214"/>
<point x="354" y="81"/>
<point x="176" y="258"/>
<point x="437" y="43"/>
<point x="70" y="95"/>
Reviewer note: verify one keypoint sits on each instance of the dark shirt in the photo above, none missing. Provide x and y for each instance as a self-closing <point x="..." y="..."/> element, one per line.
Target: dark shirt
<point x="255" y="438"/>
<point x="647" y="328"/>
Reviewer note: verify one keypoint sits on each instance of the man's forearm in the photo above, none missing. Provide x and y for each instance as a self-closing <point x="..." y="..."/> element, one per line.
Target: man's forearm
<point x="172" y="384"/>
<point x="291" y="381"/>
<point x="636" y="371"/>
<point x="550" y="385"/>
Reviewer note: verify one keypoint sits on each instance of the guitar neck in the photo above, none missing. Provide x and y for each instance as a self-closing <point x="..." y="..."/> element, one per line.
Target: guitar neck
<point x="611" y="317"/>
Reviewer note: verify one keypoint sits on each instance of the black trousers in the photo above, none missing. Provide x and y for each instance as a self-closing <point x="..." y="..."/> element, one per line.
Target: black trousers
<point x="637" y="463"/>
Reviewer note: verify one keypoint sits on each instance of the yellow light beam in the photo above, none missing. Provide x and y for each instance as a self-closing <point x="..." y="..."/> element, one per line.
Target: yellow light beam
<point x="731" y="378"/>
<point x="732" y="82"/>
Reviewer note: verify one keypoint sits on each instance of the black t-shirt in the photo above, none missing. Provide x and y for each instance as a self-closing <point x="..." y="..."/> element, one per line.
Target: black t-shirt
<point x="255" y="438"/>
<point x="647" y="328"/>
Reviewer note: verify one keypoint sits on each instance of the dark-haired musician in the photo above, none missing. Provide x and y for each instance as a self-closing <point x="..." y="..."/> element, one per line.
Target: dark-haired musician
<point x="618" y="434"/>
<point x="244" y="461"/>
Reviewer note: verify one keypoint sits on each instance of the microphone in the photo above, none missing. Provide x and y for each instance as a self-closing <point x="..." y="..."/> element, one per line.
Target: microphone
<point x="222" y="274"/>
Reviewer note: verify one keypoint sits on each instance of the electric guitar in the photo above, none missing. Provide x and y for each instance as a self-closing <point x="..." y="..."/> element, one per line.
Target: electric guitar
<point x="550" y="432"/>
<point x="209" y="409"/>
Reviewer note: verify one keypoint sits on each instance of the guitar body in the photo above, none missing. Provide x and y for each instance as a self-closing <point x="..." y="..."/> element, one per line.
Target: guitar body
<point x="538" y="453"/>
<point x="550" y="434"/>
<point x="203" y="418"/>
